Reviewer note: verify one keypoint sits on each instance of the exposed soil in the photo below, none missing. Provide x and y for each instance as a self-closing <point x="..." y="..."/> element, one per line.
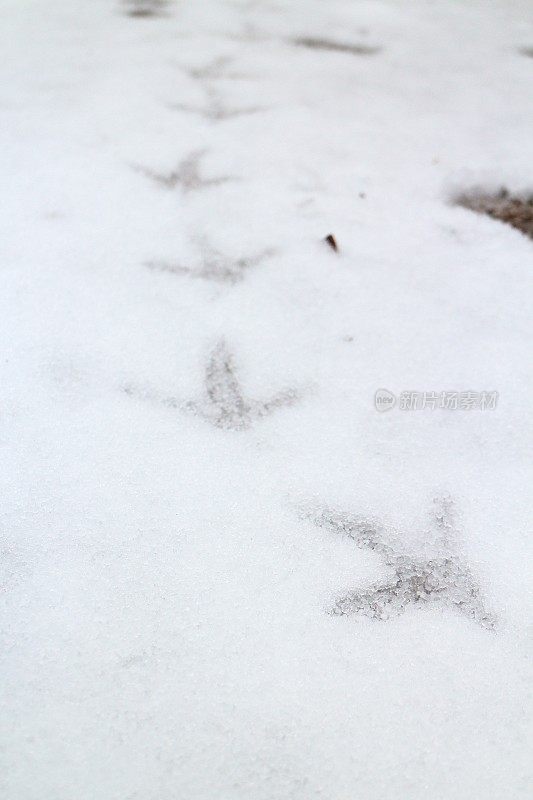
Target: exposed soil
<point x="513" y="210"/>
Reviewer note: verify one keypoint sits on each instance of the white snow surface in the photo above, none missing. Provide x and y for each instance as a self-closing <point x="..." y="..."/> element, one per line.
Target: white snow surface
<point x="165" y="587"/>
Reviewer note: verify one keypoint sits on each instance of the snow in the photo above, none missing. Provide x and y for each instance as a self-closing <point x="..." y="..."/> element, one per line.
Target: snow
<point x="194" y="475"/>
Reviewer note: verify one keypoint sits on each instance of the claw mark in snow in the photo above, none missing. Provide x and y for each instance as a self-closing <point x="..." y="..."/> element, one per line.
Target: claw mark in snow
<point x="443" y="578"/>
<point x="224" y="405"/>
<point x="187" y="175"/>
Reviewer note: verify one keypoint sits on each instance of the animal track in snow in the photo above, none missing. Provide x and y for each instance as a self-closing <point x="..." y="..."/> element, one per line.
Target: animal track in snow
<point x="187" y="175"/>
<point x="224" y="404"/>
<point x="443" y="578"/>
<point x="337" y="47"/>
<point x="214" y="70"/>
<point x="145" y="8"/>
<point x="214" y="266"/>
<point x="209" y="72"/>
<point x="215" y="110"/>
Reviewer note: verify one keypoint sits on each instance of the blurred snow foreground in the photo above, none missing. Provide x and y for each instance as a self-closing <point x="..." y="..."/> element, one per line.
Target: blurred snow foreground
<point x="223" y="573"/>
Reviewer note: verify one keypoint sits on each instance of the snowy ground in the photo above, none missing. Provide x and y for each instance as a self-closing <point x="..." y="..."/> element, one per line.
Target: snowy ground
<point x="224" y="574"/>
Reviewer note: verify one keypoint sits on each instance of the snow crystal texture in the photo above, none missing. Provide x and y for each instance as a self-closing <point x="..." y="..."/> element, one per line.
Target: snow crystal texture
<point x="224" y="575"/>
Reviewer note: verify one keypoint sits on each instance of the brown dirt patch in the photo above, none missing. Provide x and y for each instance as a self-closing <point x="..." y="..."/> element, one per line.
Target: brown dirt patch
<point x="516" y="211"/>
